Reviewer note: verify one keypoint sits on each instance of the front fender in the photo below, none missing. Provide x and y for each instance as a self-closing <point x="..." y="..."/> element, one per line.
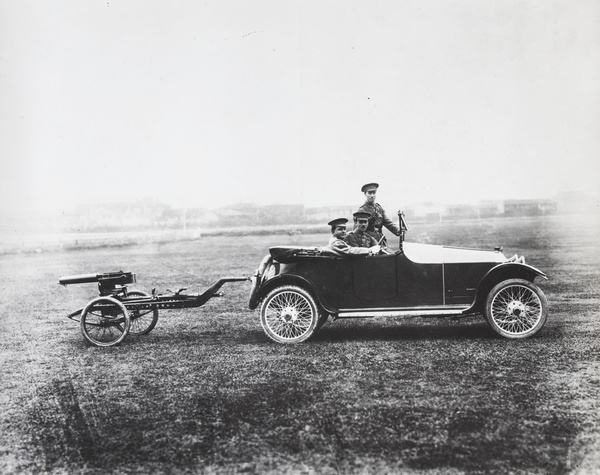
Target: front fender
<point x="290" y="279"/>
<point x="499" y="273"/>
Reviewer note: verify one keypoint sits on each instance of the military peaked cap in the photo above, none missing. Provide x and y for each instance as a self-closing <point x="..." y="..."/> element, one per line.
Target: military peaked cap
<point x="361" y="214"/>
<point x="337" y="222"/>
<point x="369" y="186"/>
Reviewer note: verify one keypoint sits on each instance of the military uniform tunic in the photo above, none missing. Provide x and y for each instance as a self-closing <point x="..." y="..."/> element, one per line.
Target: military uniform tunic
<point x="360" y="240"/>
<point x="341" y="248"/>
<point x="377" y="220"/>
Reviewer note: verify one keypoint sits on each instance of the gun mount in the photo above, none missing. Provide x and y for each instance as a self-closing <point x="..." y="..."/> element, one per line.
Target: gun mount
<point x="107" y="320"/>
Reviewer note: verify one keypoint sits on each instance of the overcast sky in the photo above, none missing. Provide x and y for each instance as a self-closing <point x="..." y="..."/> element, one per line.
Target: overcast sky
<point x="217" y="102"/>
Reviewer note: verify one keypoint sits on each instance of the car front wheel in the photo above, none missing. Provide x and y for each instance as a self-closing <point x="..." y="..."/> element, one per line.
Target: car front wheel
<point x="516" y="308"/>
<point x="289" y="314"/>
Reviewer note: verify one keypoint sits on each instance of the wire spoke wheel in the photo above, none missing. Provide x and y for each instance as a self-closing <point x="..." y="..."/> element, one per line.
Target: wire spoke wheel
<point x="105" y="322"/>
<point x="143" y="321"/>
<point x="516" y="308"/>
<point x="289" y="315"/>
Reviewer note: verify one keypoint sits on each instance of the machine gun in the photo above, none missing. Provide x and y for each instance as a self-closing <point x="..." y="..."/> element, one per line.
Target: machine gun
<point x="109" y="283"/>
<point x="117" y="312"/>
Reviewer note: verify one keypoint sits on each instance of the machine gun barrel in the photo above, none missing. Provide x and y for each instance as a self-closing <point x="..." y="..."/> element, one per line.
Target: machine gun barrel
<point x="78" y="279"/>
<point x="109" y="278"/>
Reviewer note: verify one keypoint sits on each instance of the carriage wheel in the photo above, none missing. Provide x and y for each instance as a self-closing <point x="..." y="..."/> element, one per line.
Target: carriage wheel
<point x="289" y="314"/>
<point x="105" y="322"/>
<point x="516" y="308"/>
<point x="142" y="321"/>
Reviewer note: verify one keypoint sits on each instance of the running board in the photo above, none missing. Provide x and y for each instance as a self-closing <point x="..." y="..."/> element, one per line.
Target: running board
<point x="413" y="312"/>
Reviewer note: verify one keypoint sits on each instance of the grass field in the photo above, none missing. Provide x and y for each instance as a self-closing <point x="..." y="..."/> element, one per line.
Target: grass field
<point x="208" y="392"/>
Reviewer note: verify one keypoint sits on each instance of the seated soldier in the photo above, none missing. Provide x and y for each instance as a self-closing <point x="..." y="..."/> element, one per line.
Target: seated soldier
<point x="360" y="236"/>
<point x="337" y="246"/>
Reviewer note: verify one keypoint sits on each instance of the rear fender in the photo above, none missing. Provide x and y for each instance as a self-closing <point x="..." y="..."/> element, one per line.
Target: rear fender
<point x="290" y="279"/>
<point x="499" y="273"/>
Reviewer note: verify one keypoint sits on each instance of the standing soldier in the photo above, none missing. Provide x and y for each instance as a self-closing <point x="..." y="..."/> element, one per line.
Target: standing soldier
<point x="378" y="217"/>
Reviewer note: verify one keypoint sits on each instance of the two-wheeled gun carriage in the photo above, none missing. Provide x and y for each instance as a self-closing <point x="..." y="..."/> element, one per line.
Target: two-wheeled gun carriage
<point x="118" y="311"/>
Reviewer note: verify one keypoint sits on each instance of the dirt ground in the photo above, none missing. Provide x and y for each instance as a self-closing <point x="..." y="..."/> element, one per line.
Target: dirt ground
<point x="208" y="392"/>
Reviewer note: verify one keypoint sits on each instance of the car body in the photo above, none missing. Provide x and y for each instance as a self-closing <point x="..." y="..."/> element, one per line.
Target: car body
<point x="299" y="288"/>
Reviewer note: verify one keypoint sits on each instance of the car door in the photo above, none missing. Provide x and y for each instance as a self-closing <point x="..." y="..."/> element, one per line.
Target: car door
<point x="393" y="281"/>
<point x="419" y="284"/>
<point x="374" y="278"/>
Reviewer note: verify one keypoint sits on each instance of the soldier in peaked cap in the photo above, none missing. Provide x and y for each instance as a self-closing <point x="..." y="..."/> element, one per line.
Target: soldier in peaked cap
<point x="339" y="247"/>
<point x="378" y="219"/>
<point x="337" y="223"/>
<point x="359" y="237"/>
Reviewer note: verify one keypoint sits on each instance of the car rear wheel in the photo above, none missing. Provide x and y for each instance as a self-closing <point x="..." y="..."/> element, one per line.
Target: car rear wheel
<point x="516" y="308"/>
<point x="289" y="314"/>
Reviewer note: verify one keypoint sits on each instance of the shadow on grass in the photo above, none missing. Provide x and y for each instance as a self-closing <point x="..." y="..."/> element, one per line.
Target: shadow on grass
<point x="336" y="333"/>
<point x="340" y="331"/>
<point x="329" y="333"/>
<point x="426" y="329"/>
<point x="442" y="331"/>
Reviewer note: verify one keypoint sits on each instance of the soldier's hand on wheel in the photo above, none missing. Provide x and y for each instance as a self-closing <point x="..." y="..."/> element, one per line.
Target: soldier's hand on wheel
<point x="375" y="249"/>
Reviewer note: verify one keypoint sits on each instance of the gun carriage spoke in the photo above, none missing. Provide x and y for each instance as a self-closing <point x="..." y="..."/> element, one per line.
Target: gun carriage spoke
<point x="143" y="320"/>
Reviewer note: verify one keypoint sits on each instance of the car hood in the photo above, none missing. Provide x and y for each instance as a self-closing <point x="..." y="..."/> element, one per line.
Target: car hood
<point x="430" y="253"/>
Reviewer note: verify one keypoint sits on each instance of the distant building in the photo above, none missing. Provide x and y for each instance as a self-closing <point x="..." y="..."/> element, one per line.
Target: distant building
<point x="463" y="211"/>
<point x="534" y="207"/>
<point x="241" y="214"/>
<point x="246" y="214"/>
<point x="575" y="202"/>
<point x="427" y="211"/>
<point x="198" y="217"/>
<point x="281" y="214"/>
<point x="490" y="208"/>
<point x="325" y="214"/>
<point x="111" y="216"/>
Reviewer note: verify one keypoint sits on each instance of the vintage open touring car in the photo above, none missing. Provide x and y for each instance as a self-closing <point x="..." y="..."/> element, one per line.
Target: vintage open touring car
<point x="299" y="288"/>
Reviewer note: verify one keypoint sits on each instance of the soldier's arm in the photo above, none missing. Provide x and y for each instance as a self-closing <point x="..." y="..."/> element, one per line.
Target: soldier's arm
<point x="349" y="239"/>
<point x="343" y="248"/>
<point x="388" y="223"/>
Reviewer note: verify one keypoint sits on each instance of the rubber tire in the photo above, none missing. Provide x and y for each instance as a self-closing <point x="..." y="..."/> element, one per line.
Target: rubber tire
<point x="115" y="327"/>
<point x="519" y="295"/>
<point x="138" y="324"/>
<point x="300" y="304"/>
